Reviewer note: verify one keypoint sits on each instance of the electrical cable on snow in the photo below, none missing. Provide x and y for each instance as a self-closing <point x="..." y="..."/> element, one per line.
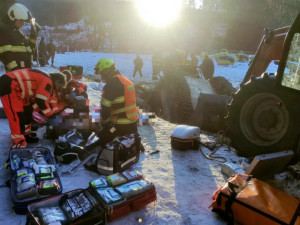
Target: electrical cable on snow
<point x="211" y="156"/>
<point x="220" y="141"/>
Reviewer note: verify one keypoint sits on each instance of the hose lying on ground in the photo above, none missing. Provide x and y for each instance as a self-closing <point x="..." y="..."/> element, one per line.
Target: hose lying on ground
<point x="220" y="141"/>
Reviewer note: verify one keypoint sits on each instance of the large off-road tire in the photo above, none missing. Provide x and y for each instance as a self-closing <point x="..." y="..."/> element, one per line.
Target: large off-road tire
<point x="262" y="118"/>
<point x="176" y="99"/>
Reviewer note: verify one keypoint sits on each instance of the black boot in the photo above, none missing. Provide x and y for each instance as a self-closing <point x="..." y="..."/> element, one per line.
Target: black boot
<point x="31" y="138"/>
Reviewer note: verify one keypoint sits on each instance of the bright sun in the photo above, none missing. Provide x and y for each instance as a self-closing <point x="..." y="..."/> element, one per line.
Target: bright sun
<point x="159" y="13"/>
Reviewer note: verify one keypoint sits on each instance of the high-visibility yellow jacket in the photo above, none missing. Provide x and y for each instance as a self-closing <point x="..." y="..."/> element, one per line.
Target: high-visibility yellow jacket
<point x="118" y="103"/>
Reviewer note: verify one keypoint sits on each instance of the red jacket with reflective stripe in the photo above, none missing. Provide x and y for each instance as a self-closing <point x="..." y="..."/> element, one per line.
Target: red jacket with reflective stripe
<point x="73" y="84"/>
<point x="36" y="86"/>
<point x="57" y="102"/>
<point x="54" y="102"/>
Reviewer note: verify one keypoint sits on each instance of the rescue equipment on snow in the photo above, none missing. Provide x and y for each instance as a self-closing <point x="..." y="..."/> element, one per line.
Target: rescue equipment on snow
<point x="116" y="179"/>
<point x="76" y="70"/>
<point x="249" y="201"/>
<point x="119" y="154"/>
<point x="74" y="207"/>
<point x="97" y="204"/>
<point x="185" y="137"/>
<point x="33" y="176"/>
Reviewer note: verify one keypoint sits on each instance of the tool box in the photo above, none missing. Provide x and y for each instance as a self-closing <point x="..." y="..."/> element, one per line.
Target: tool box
<point x="33" y="177"/>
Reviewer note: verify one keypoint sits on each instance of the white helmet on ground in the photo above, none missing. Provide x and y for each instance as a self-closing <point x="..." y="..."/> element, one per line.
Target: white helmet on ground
<point x="19" y="12"/>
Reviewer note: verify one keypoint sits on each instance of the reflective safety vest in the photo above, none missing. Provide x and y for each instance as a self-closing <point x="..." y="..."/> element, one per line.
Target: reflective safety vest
<point x="129" y="98"/>
<point x="34" y="84"/>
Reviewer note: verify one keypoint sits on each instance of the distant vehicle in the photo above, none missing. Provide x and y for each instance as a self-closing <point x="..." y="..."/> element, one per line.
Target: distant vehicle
<point x="263" y="116"/>
<point x="242" y="57"/>
<point x="225" y="58"/>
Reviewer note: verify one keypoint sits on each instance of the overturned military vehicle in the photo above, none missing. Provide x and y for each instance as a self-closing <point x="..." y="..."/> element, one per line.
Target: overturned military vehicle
<point x="185" y="96"/>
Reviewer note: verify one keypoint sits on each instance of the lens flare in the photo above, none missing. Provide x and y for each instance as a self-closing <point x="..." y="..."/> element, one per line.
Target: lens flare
<point x="158" y="13"/>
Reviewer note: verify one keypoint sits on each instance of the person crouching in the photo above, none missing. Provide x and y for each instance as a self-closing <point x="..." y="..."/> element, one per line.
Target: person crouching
<point x="22" y="91"/>
<point x="119" y="114"/>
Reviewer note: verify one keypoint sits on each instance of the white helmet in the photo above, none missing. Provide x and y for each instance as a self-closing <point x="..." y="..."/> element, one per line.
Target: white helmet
<point x="19" y="12"/>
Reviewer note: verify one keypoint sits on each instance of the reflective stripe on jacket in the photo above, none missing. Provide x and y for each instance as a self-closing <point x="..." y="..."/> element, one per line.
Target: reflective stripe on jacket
<point x="54" y="102"/>
<point x="130" y="104"/>
<point x="123" y="108"/>
<point x="34" y="85"/>
<point x="15" y="49"/>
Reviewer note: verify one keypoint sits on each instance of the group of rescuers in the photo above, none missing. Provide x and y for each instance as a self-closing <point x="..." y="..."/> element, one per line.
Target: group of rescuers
<point x="23" y="89"/>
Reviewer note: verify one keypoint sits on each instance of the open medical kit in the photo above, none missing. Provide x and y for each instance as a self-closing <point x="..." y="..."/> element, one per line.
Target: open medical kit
<point x="74" y="207"/>
<point x="122" y="193"/>
<point x="33" y="176"/>
<point x="104" y="200"/>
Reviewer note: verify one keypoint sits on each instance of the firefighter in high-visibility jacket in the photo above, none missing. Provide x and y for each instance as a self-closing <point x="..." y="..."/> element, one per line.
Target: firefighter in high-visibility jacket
<point x="119" y="113"/>
<point x="16" y="50"/>
<point x="22" y="91"/>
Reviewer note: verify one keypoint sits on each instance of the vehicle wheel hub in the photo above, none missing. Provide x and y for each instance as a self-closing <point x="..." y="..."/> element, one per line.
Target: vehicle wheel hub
<point x="264" y="119"/>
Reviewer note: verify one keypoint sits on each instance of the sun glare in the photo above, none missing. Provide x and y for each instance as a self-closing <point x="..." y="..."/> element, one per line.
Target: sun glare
<point x="158" y="13"/>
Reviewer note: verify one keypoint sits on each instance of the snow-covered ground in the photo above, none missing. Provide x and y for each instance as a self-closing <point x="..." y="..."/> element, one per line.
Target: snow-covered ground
<point x="184" y="180"/>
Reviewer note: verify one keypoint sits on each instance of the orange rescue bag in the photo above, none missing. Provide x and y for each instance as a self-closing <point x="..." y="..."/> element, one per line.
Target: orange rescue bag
<point x="249" y="201"/>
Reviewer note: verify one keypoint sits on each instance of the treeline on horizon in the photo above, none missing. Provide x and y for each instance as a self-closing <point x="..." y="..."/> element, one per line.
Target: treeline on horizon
<point x="244" y="21"/>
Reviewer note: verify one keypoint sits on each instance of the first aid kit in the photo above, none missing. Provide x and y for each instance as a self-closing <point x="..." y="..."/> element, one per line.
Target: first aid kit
<point x="33" y="177"/>
<point x="103" y="201"/>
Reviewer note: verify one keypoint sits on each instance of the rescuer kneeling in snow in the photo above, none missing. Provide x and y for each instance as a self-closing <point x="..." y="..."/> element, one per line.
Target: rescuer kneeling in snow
<point x="119" y="114"/>
<point x="22" y="91"/>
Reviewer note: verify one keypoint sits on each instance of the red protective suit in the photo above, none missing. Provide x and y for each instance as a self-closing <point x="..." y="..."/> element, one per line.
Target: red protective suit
<point x="18" y="90"/>
<point x="57" y="102"/>
<point x="78" y="88"/>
